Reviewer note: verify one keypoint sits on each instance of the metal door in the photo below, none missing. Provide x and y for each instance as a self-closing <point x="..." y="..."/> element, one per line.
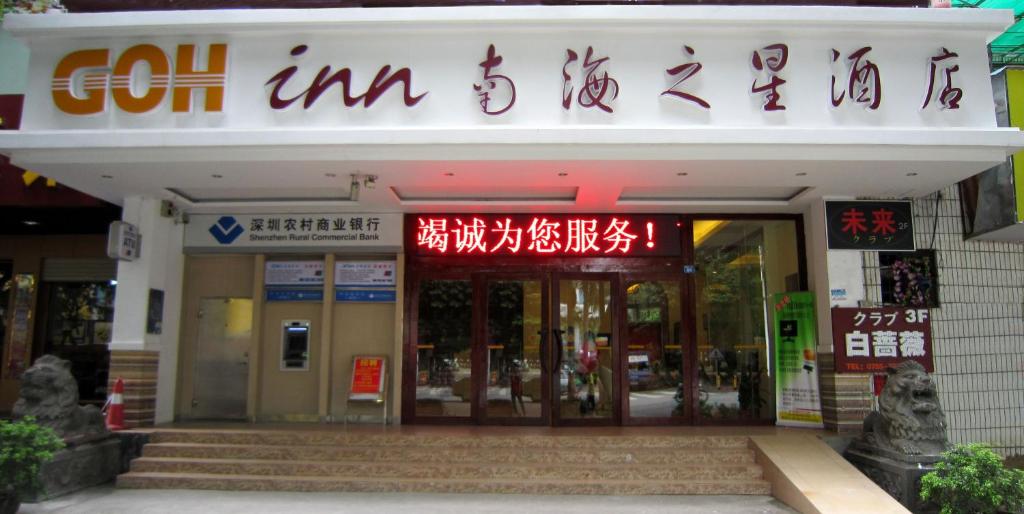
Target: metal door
<point x="222" y="358"/>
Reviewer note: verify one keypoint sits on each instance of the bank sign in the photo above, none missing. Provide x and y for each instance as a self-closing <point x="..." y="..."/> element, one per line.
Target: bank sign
<point x="539" y="67"/>
<point x="289" y="232"/>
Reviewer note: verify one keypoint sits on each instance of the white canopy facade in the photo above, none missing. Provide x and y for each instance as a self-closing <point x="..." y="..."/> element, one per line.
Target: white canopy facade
<point x="590" y="109"/>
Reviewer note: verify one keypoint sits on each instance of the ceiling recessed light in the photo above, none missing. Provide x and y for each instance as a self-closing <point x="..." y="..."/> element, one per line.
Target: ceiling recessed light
<point x="30" y="223"/>
<point x="216" y="175"/>
<point x="912" y="174"/>
<point x="449" y="174"/>
<point x="801" y="174"/>
<point x="331" y="175"/>
<point x="562" y="174"/>
<point x="682" y="174"/>
<point x="107" y="176"/>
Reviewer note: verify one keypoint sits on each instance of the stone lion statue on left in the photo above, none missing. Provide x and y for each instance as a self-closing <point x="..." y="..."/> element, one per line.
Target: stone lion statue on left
<point x="49" y="393"/>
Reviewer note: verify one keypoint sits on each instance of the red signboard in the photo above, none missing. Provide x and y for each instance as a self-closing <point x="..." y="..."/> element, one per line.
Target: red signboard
<point x="367" y="378"/>
<point x="868" y="340"/>
<point x="553" y="235"/>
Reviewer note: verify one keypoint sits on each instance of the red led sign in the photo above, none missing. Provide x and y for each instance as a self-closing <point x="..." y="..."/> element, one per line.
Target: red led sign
<point x="555" y="235"/>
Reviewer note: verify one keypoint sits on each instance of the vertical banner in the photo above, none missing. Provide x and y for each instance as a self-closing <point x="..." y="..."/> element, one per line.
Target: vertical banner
<point x="20" y="350"/>
<point x="797" y="397"/>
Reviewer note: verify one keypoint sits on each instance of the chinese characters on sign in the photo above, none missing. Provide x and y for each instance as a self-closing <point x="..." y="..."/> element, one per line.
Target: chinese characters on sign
<point x="949" y="96"/>
<point x="864" y="81"/>
<point x="270" y="232"/>
<point x="596" y="84"/>
<point x="682" y="73"/>
<point x="367" y="378"/>
<point x="869" y="225"/>
<point x="769" y="61"/>
<point x="106" y="78"/>
<point x="867" y="340"/>
<point x="547" y="235"/>
<point x="489" y="85"/>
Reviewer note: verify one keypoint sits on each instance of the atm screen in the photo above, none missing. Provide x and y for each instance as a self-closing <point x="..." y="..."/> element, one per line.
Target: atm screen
<point x="295" y="347"/>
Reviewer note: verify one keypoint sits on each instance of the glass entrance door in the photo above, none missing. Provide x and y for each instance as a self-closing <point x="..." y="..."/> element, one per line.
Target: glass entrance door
<point x="514" y="349"/>
<point x="586" y="366"/>
<point x="656" y="353"/>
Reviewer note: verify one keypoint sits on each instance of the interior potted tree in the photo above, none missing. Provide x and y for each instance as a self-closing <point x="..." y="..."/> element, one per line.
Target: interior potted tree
<point x="24" y="448"/>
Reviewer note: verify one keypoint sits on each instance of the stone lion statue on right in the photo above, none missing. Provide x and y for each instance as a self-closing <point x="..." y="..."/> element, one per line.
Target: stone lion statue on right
<point x="910" y="420"/>
<point x="49" y="393"/>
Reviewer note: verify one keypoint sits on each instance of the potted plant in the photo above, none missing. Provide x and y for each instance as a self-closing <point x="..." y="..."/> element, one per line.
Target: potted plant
<point x="971" y="479"/>
<point x="24" y="448"/>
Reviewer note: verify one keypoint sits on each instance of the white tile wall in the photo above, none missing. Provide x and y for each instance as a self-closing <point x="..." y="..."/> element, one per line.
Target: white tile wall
<point x="978" y="332"/>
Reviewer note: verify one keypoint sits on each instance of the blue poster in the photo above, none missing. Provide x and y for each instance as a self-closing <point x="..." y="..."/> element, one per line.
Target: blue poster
<point x="294" y="295"/>
<point x="365" y="295"/>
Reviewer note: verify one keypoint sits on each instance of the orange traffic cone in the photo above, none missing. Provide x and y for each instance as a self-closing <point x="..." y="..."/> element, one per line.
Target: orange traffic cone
<point x="115" y="411"/>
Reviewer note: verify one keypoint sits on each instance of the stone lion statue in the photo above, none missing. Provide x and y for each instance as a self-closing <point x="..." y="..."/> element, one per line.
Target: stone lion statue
<point x="50" y="394"/>
<point x="910" y="420"/>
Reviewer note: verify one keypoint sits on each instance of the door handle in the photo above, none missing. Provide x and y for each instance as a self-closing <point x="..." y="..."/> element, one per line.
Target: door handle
<point x="543" y="358"/>
<point x="558" y="349"/>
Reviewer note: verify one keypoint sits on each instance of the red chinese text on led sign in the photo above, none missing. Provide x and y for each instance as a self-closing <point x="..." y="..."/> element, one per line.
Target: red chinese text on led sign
<point x="547" y="235"/>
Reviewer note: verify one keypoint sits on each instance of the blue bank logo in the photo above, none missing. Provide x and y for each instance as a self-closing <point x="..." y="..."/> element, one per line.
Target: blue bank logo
<point x="226" y="230"/>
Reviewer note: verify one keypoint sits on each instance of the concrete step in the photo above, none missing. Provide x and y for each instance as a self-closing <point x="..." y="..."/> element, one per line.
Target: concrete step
<point x="680" y="456"/>
<point x="442" y="469"/>
<point x="138" y="480"/>
<point x="349" y="439"/>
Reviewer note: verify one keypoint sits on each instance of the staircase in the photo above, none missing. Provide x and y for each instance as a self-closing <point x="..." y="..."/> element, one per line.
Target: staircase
<point x="280" y="460"/>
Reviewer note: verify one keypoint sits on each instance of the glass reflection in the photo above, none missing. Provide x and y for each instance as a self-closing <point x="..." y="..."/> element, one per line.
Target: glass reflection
<point x="740" y="264"/>
<point x="654" y="350"/>
<point x="585" y="346"/>
<point x="443" y="352"/>
<point x="513" y="349"/>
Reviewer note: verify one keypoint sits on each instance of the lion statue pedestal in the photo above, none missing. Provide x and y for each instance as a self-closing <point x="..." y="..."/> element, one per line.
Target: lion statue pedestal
<point x="92" y="456"/>
<point x="904" y="439"/>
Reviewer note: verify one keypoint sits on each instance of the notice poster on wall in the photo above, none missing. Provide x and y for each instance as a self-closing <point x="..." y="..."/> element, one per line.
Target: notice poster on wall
<point x="294" y="273"/>
<point x="367" y="378"/>
<point x="364" y="273"/>
<point x="797" y="397"/>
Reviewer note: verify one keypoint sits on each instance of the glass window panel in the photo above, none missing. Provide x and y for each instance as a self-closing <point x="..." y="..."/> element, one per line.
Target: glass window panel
<point x="443" y="351"/>
<point x="79" y="320"/>
<point x="740" y="264"/>
<point x="654" y="350"/>
<point x="587" y="349"/>
<point x="514" y="309"/>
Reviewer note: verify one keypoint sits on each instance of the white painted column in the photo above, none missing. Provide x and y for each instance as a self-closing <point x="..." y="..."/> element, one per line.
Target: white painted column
<point x="837" y="279"/>
<point x="160" y="266"/>
<point x="835" y="276"/>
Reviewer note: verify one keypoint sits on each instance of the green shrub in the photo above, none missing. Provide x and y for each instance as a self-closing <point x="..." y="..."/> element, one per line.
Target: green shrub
<point x="971" y="479"/>
<point x="24" y="448"/>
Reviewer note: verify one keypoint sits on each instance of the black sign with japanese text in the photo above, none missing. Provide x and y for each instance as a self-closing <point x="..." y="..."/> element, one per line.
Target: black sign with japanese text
<point x="870" y="339"/>
<point x="870" y="225"/>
